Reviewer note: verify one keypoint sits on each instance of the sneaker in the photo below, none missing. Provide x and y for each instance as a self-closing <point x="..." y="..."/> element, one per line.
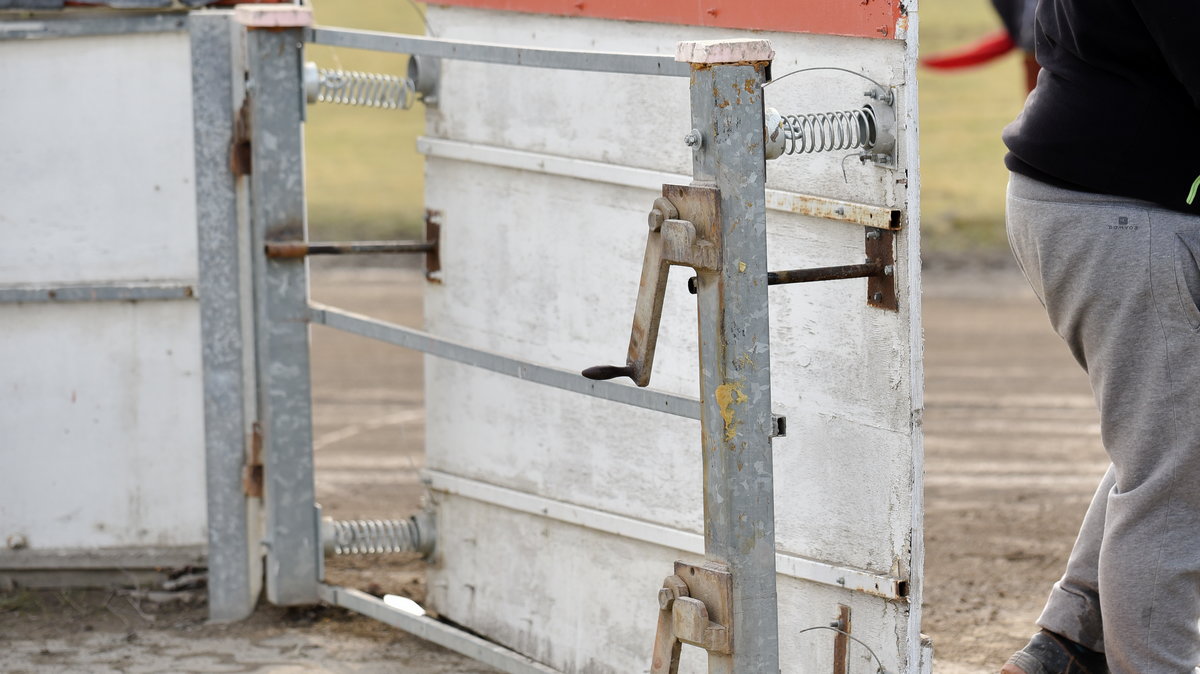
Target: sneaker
<point x="1048" y="653"/>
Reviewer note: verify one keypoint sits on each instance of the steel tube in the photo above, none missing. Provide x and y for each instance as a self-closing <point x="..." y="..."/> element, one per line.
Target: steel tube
<point x="232" y="560"/>
<point x="97" y="293"/>
<point x="429" y="629"/>
<point x="281" y="316"/>
<point x="297" y="249"/>
<point x="735" y="360"/>
<point x="594" y="61"/>
<point x="512" y="367"/>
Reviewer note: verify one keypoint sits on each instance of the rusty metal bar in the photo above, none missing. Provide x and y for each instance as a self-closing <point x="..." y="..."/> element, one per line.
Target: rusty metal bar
<point x="296" y="249"/>
<point x="847" y="271"/>
<point x="838" y="273"/>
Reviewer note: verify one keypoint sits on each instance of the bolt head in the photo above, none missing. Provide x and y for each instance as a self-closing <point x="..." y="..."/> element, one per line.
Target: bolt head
<point x="666" y="597"/>
<point x="692" y="139"/>
<point x="889" y="270"/>
<point x="877" y="297"/>
<point x="655" y="220"/>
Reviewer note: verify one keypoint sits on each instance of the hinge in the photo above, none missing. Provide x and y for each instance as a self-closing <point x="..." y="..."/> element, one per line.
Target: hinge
<point x="252" y="472"/>
<point x="239" y="151"/>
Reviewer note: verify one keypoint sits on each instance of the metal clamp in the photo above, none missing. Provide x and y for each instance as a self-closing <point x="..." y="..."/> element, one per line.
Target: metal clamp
<point x="696" y="608"/>
<point x="684" y="231"/>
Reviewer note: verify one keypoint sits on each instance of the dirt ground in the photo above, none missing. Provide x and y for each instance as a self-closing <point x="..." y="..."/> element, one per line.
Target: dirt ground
<point x="1013" y="454"/>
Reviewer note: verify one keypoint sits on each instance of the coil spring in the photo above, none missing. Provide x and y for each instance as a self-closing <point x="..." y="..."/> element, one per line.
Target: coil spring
<point x="373" y="90"/>
<point x="828" y="131"/>
<point x="373" y="537"/>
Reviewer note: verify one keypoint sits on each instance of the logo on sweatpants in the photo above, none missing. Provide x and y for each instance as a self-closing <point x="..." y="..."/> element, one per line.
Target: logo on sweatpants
<point x="1123" y="223"/>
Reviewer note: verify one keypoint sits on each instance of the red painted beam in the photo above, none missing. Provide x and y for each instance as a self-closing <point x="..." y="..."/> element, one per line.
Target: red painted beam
<point x="858" y="18"/>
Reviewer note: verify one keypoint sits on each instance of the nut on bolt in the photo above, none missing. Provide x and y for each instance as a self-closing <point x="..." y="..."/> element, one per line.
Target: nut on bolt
<point x="693" y="139"/>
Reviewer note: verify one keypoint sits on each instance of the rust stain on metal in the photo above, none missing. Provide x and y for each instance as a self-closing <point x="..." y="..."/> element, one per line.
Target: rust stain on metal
<point x="239" y="152"/>
<point x="881" y="290"/>
<point x="728" y="395"/>
<point x="252" y="472"/>
<point x="841" y="642"/>
<point x="880" y="217"/>
<point x="290" y="229"/>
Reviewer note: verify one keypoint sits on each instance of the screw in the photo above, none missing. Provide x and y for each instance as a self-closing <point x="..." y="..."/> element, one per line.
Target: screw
<point x="873" y="234"/>
<point x="889" y="270"/>
<point x="877" y="297"/>
<point x="693" y="139"/>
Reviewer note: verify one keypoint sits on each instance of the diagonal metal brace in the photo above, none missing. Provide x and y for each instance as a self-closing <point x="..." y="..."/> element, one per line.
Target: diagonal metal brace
<point x="684" y="231"/>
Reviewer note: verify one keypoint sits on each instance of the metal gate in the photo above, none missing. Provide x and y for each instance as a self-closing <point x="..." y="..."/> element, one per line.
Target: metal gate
<point x="776" y="566"/>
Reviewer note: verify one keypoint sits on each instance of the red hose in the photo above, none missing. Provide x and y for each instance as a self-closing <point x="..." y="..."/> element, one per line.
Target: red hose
<point x="987" y="48"/>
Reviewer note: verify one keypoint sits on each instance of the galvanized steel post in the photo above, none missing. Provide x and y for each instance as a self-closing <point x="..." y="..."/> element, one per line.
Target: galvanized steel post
<point x="275" y="56"/>
<point x="232" y="561"/>
<point x="735" y="383"/>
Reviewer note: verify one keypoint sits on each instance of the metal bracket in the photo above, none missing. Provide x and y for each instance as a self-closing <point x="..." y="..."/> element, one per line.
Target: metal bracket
<point x="685" y="231"/>
<point x="696" y="608"/>
<point x="252" y="471"/>
<point x="433" y="234"/>
<point x="841" y="641"/>
<point x="881" y="288"/>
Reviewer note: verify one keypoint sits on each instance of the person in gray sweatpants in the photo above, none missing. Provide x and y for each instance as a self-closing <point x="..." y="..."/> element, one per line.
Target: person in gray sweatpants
<point x="1120" y="281"/>
<point x="1104" y="220"/>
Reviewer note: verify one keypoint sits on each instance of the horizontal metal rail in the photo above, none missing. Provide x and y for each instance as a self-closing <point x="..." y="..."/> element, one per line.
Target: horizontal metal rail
<point x="75" y="25"/>
<point x="563" y="59"/>
<point x="793" y="566"/>
<point x="877" y="217"/>
<point x="429" y="629"/>
<point x="96" y="293"/>
<point x="295" y="249"/>
<point x="512" y="367"/>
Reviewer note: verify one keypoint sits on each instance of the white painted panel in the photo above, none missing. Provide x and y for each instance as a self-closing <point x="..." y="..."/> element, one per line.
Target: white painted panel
<point x="546" y="268"/>
<point x="584" y="601"/>
<point x="96" y="160"/>
<point x="641" y="121"/>
<point x="101" y="435"/>
<point x="552" y="277"/>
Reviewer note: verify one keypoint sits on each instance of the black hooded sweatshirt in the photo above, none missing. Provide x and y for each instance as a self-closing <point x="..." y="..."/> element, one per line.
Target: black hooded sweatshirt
<point x="1117" y="104"/>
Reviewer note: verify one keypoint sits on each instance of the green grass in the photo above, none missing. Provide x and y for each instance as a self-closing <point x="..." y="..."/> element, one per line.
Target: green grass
<point x="365" y="179"/>
<point x="962" y="114"/>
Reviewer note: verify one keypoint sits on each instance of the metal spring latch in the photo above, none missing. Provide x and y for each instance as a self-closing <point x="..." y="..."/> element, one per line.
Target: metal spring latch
<point x="376" y="537"/>
<point x="350" y="87"/>
<point x="870" y="128"/>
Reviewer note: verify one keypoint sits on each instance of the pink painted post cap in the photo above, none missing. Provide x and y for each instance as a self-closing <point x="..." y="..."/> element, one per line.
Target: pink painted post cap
<point x="724" y="51"/>
<point x="273" y="16"/>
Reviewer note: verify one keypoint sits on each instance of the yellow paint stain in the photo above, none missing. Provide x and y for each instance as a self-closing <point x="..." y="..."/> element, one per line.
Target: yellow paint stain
<point x="741" y="267"/>
<point x="729" y="395"/>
